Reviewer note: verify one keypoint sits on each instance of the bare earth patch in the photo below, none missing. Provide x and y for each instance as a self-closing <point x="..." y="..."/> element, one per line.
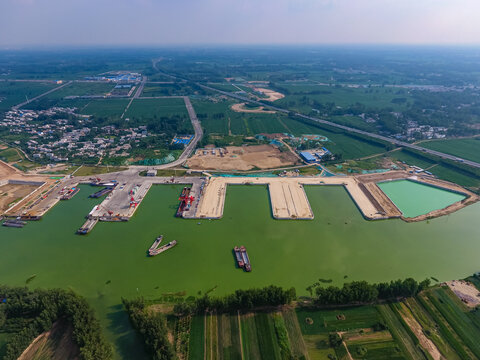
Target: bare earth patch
<point x="11" y="192"/>
<point x="466" y="292"/>
<point x="55" y="344"/>
<point x="241" y="108"/>
<point x="272" y="95"/>
<point x="243" y="158"/>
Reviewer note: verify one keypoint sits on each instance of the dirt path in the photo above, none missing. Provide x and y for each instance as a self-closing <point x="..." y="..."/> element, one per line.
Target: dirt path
<point x="340" y="333"/>
<point x="425" y="342"/>
<point x="229" y="128"/>
<point x="240" y="333"/>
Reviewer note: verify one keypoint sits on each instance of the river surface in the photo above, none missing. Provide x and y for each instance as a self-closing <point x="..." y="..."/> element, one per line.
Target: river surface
<point x="414" y="199"/>
<point x="339" y="244"/>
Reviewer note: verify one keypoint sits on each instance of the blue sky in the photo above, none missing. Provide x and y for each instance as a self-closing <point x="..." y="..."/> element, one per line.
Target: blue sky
<point x="162" y="22"/>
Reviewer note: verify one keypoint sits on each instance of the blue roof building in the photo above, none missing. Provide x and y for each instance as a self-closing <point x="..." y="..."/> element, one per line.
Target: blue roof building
<point x="307" y="156"/>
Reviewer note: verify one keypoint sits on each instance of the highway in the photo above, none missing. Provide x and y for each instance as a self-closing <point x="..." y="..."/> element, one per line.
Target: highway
<point x="347" y="128"/>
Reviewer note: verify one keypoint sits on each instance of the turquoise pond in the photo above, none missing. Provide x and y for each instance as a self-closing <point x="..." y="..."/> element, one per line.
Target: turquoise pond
<point x="414" y="199"/>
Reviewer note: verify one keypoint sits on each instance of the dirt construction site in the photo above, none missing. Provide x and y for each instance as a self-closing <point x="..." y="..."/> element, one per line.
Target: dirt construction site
<point x="242" y="158"/>
<point x="19" y="190"/>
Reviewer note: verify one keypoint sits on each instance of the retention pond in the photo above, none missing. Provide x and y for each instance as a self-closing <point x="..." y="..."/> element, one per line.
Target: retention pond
<point x="414" y="199"/>
<point x="339" y="244"/>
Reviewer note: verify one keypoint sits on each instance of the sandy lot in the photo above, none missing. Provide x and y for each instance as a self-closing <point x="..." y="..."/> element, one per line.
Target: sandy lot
<point x="6" y="170"/>
<point x="243" y="158"/>
<point x="466" y="292"/>
<point x="12" y="192"/>
<point x="241" y="108"/>
<point x="272" y="95"/>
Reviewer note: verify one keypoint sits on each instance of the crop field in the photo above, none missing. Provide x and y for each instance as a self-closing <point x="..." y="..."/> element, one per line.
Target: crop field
<point x="82" y="89"/>
<point x="110" y="108"/>
<point x="465" y="323"/>
<point x="174" y="89"/>
<point x="260" y="335"/>
<point x="196" y="346"/>
<point x="356" y="325"/>
<point x="150" y="108"/>
<point x="430" y="328"/>
<point x="13" y="93"/>
<point x="402" y="335"/>
<point x="464" y="148"/>
<point x="375" y="97"/>
<point x="328" y="320"/>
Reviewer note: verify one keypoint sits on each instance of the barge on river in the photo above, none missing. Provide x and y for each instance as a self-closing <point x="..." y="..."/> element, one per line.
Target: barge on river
<point x="241" y="256"/>
<point x="162" y="248"/>
<point x="184" y="199"/>
<point x="67" y="194"/>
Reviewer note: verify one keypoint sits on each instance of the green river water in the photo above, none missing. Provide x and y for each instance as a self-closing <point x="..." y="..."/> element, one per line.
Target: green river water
<point x="111" y="261"/>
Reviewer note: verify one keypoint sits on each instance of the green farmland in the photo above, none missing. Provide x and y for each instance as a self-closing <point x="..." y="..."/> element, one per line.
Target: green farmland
<point x="14" y="93"/>
<point x="464" y="148"/>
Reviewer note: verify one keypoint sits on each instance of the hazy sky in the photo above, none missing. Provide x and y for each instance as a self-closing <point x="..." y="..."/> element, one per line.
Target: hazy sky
<point x="116" y="22"/>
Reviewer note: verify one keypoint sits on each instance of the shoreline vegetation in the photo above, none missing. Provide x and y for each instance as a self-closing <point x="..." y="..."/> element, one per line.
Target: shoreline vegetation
<point x="26" y="314"/>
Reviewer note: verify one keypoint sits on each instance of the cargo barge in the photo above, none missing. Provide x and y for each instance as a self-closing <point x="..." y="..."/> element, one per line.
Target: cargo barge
<point x="155" y="244"/>
<point x="69" y="193"/>
<point x="184" y="198"/>
<point x="163" y="248"/>
<point x="241" y="256"/>
<point x="14" y="223"/>
<point x="102" y="192"/>
<point x="238" y="256"/>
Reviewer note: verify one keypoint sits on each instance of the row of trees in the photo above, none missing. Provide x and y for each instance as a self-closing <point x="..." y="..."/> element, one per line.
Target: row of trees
<point x="152" y="327"/>
<point x="361" y="292"/>
<point x="26" y="314"/>
<point x="239" y="300"/>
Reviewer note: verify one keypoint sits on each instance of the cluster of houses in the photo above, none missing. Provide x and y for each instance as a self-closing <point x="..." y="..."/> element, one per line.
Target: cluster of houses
<point x="64" y="139"/>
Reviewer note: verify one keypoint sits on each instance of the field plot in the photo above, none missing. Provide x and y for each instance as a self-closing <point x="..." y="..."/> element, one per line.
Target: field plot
<point x="295" y="95"/>
<point x="406" y="341"/>
<point x="356" y="327"/>
<point x="465" y="323"/>
<point x="250" y="336"/>
<point x="464" y="148"/>
<point x="13" y="93"/>
<point x="109" y="108"/>
<point x="174" y="89"/>
<point x="156" y="108"/>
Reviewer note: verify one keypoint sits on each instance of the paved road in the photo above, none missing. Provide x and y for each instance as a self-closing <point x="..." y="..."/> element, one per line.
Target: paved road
<point x="16" y="107"/>
<point x="347" y="128"/>
<point x="136" y="96"/>
<point x="190" y="147"/>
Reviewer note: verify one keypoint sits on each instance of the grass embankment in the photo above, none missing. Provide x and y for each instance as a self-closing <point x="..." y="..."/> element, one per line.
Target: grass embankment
<point x="98" y="170"/>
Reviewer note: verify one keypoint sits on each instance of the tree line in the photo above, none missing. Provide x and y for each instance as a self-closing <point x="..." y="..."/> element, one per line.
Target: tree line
<point x="361" y="292"/>
<point x="27" y="313"/>
<point x="239" y="300"/>
<point x="152" y="327"/>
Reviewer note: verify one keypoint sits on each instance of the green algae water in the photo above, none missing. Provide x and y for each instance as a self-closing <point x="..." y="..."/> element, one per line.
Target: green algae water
<point x="414" y="199"/>
<point x="111" y="262"/>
